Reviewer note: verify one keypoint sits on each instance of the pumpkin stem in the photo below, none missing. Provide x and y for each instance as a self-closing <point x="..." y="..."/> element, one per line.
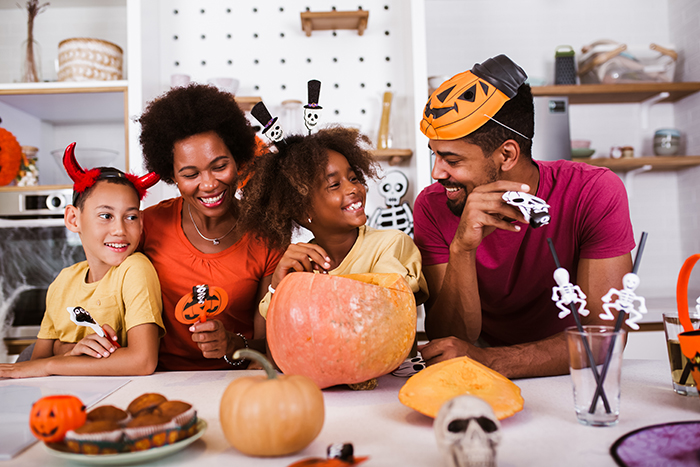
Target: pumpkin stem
<point x="254" y="355"/>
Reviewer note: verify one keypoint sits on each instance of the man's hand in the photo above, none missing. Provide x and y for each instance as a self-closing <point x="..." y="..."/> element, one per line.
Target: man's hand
<point x="484" y="211"/>
<point x="439" y="350"/>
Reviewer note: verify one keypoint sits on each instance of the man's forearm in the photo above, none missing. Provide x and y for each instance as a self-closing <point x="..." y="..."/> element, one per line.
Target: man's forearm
<point x="548" y="357"/>
<point x="456" y="310"/>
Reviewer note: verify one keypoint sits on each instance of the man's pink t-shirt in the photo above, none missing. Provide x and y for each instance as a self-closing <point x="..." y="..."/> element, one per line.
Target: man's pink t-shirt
<point x="589" y="219"/>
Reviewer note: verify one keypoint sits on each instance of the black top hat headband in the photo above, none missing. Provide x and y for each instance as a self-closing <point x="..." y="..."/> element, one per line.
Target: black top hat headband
<point x="271" y="127"/>
<point x="84" y="179"/>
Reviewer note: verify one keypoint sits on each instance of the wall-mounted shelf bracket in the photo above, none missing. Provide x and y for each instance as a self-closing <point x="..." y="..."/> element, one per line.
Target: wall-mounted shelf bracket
<point x="646" y="105"/>
<point x="331" y="20"/>
<point x="629" y="178"/>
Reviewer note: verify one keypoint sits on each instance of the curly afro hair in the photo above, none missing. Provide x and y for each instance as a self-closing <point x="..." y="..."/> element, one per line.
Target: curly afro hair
<point x="186" y="111"/>
<point x="279" y="191"/>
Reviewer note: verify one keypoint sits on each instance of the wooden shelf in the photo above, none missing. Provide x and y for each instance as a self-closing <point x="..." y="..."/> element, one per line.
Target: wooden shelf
<point x="394" y="156"/>
<point x="62" y="87"/>
<point x="247" y="102"/>
<point x="656" y="162"/>
<point x="331" y="20"/>
<point x="617" y="93"/>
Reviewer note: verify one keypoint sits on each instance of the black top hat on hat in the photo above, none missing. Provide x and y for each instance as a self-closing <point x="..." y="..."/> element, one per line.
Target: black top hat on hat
<point x="314" y="87"/>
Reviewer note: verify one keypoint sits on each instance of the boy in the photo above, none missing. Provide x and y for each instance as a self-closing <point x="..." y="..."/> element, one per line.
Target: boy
<point x="118" y="288"/>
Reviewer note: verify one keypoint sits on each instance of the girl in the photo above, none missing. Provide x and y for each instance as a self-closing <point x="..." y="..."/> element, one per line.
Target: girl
<point x="319" y="182"/>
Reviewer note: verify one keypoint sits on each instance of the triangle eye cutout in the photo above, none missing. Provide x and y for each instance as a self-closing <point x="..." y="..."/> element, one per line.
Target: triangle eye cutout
<point x="469" y="95"/>
<point x="443" y="95"/>
<point x="484" y="87"/>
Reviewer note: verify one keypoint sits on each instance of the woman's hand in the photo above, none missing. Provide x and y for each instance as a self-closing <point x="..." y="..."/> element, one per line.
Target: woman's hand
<point x="301" y="257"/>
<point x="95" y="346"/>
<point x="211" y="338"/>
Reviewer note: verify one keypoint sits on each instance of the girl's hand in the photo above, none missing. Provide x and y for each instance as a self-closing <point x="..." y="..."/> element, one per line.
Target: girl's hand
<point x="28" y="369"/>
<point x="211" y="338"/>
<point x="301" y="257"/>
<point x="95" y="346"/>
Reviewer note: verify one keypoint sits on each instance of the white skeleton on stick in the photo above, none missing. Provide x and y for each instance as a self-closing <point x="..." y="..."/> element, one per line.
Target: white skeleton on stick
<point x="626" y="299"/>
<point x="565" y="293"/>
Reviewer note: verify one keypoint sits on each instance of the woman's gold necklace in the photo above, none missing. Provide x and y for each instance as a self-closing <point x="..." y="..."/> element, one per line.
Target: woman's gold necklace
<point x="215" y="241"/>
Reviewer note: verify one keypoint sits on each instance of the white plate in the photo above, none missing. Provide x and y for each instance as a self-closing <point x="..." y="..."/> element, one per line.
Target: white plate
<point x="132" y="457"/>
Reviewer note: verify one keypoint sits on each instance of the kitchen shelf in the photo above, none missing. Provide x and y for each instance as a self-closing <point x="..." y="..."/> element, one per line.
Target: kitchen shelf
<point x="617" y="93"/>
<point x="656" y="162"/>
<point x="35" y="188"/>
<point x="331" y="20"/>
<point x="394" y="156"/>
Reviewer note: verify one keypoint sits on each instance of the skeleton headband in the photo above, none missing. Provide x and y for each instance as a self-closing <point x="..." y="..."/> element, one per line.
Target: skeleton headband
<point x="468" y="100"/>
<point x="82" y="179"/>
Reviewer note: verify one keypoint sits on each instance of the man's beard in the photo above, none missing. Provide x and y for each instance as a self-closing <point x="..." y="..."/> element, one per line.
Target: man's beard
<point x="457" y="206"/>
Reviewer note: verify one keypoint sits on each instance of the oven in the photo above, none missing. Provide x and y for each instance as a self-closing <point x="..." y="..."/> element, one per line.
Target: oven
<point x="34" y="246"/>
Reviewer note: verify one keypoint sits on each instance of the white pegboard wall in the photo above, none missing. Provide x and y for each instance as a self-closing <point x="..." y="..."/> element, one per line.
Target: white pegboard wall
<point x="263" y="45"/>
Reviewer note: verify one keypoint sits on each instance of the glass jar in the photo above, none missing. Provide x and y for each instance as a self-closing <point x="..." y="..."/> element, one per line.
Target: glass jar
<point x="667" y="142"/>
<point x="292" y="117"/>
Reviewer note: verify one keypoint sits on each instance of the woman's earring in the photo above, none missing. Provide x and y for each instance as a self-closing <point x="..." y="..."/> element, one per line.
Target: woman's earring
<point x="309" y="220"/>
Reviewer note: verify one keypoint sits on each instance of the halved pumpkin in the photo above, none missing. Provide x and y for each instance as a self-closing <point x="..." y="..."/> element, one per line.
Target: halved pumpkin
<point x="341" y="329"/>
<point x="428" y="389"/>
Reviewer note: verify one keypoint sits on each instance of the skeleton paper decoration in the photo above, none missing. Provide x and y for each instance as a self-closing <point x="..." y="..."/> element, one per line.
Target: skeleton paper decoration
<point x="565" y="293"/>
<point x="534" y="209"/>
<point x="396" y="215"/>
<point x="467" y="432"/>
<point x="313" y="111"/>
<point x="626" y="299"/>
<point x="409" y="367"/>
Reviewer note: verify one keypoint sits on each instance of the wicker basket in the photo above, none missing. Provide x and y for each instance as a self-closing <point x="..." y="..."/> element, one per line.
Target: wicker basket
<point x="84" y="59"/>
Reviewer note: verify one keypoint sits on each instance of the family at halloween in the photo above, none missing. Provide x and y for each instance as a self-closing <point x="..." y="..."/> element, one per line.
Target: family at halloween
<point x="185" y="283"/>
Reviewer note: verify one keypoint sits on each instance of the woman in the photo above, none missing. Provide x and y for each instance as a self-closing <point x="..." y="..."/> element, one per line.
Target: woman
<point x="197" y="138"/>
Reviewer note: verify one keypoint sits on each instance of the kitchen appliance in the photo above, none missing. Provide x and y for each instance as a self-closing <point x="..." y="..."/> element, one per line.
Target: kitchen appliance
<point x="34" y="246"/>
<point x="552" y="139"/>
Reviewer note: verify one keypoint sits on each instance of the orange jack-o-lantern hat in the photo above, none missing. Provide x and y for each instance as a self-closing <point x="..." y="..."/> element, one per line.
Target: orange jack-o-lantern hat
<point x="466" y="101"/>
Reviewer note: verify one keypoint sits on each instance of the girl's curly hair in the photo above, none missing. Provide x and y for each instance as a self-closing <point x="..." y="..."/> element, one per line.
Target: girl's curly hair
<point x="278" y="194"/>
<point x="186" y="111"/>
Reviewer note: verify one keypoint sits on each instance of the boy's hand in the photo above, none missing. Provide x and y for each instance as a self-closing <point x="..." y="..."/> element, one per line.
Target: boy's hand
<point x="28" y="369"/>
<point x="301" y="257"/>
<point x="95" y="346"/>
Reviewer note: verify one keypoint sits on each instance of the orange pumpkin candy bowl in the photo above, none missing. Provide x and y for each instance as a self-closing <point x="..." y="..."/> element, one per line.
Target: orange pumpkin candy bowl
<point x="10" y="157"/>
<point x="52" y="417"/>
<point x="341" y="329"/>
<point x="270" y="415"/>
<point x="428" y="389"/>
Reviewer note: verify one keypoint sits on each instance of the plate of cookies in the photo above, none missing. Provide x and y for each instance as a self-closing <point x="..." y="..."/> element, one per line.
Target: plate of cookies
<point x="151" y="427"/>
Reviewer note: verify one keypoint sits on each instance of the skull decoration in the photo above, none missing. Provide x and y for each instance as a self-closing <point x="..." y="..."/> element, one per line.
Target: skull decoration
<point x="312" y="116"/>
<point x="271" y="126"/>
<point x="467" y="432"/>
<point x="393" y="187"/>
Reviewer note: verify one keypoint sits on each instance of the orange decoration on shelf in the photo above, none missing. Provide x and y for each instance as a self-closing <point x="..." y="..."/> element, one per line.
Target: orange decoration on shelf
<point x="204" y="302"/>
<point x="52" y="417"/>
<point x="10" y="157"/>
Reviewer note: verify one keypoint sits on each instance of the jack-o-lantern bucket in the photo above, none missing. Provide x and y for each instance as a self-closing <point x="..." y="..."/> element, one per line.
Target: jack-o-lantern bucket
<point x="341" y="329"/>
<point x="52" y="417"/>
<point x="690" y="338"/>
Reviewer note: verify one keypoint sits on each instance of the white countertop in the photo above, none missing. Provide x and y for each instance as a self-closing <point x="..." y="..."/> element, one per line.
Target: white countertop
<point x="544" y="433"/>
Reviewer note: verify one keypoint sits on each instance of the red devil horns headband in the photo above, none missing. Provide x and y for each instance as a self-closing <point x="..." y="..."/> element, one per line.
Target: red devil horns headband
<point x="82" y="180"/>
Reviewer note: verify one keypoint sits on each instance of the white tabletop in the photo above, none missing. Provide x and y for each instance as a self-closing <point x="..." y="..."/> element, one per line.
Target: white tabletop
<point x="544" y="433"/>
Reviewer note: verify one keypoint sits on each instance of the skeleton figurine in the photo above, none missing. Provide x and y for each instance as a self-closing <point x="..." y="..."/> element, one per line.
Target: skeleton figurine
<point x="467" y="432"/>
<point x="626" y="299"/>
<point x="565" y="293"/>
<point x="271" y="128"/>
<point x="313" y="111"/>
<point x="395" y="215"/>
<point x="534" y="209"/>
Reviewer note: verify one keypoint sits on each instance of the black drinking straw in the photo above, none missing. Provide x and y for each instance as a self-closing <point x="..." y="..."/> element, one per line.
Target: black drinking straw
<point x="618" y="325"/>
<point x="577" y="319"/>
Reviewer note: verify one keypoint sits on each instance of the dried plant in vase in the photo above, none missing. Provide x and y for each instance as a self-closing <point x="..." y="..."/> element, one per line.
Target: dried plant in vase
<point x="30" y="52"/>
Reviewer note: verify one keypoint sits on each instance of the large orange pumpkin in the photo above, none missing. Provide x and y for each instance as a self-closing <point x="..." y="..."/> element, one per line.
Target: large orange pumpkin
<point x="10" y="157"/>
<point x="270" y="415"/>
<point x="53" y="416"/>
<point x="428" y="389"/>
<point x="341" y="329"/>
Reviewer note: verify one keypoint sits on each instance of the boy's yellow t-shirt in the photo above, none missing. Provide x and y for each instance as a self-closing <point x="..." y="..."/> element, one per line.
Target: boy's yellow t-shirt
<point x="128" y="295"/>
<point x="379" y="251"/>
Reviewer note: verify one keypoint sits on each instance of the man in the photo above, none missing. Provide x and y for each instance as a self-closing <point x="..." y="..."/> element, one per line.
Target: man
<point x="489" y="273"/>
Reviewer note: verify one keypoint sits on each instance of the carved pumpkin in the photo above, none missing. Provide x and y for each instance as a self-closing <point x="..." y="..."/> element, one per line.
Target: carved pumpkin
<point x="53" y="416"/>
<point x="428" y="389"/>
<point x="204" y="302"/>
<point x="270" y="415"/>
<point x="465" y="102"/>
<point x="10" y="157"/>
<point x="689" y="339"/>
<point x="341" y="329"/>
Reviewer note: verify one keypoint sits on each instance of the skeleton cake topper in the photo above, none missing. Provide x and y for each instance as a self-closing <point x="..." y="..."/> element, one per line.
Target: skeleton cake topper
<point x="467" y="432"/>
<point x="626" y="298"/>
<point x="398" y="216"/>
<point x="313" y="111"/>
<point x="565" y="293"/>
<point x="534" y="209"/>
<point x="271" y="126"/>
